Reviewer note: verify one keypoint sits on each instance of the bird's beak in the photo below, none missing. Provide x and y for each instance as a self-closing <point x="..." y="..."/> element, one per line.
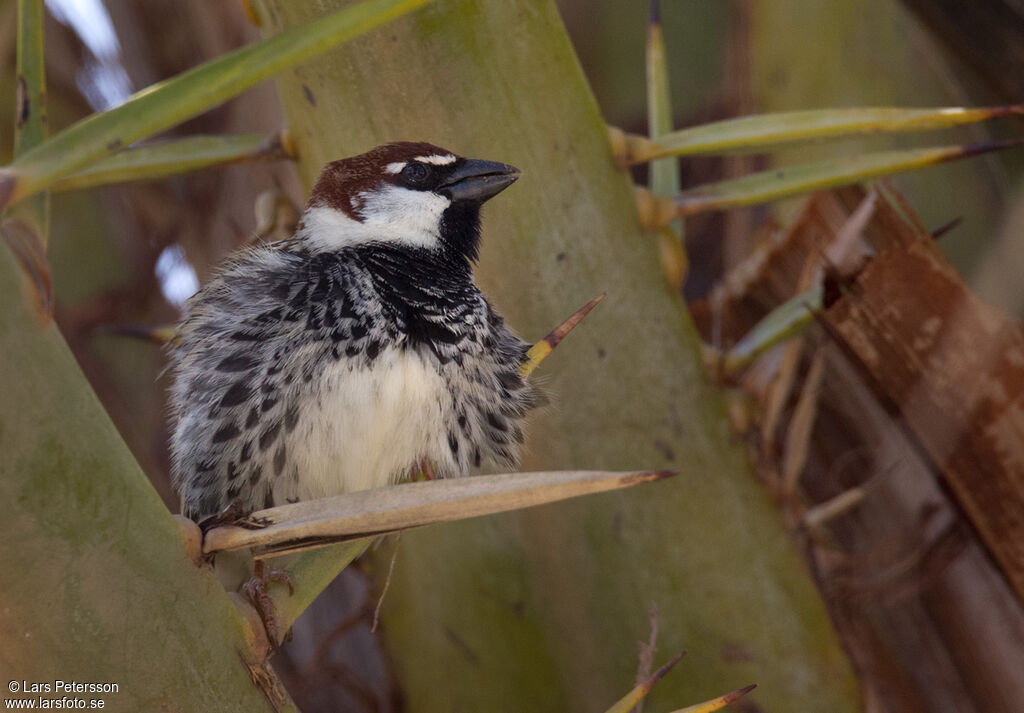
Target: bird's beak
<point x="477" y="180"/>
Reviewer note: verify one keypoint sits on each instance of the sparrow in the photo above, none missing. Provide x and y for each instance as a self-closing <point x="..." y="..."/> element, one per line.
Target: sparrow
<point x="342" y="357"/>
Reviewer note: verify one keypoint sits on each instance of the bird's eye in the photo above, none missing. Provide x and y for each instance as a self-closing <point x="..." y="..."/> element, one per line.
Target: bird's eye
<point x="415" y="172"/>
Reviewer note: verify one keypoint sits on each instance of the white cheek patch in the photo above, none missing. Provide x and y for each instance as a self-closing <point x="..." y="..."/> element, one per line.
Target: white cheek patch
<point x="435" y="159"/>
<point x="395" y="167"/>
<point x="390" y="214"/>
<point x="400" y="214"/>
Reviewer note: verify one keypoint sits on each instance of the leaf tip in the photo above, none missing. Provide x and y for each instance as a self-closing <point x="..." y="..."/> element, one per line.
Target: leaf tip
<point x="539" y="351"/>
<point x="666" y="667"/>
<point x="720" y="702"/>
<point x="986" y="147"/>
<point x="1007" y="110"/>
<point x="555" y="337"/>
<point x="943" y="229"/>
<point x="734" y="696"/>
<point x="648" y="476"/>
<point x="745" y="690"/>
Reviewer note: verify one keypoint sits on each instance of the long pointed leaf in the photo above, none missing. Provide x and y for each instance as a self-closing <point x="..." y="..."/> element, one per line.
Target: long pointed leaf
<point x="793" y="180"/>
<point x="314" y="523"/>
<point x="664" y="172"/>
<point x="169" y="158"/>
<point x="540" y="351"/>
<point x="785" y="321"/>
<point x="637" y="694"/>
<point x="170" y="102"/>
<point x="765" y="131"/>
<point x="26" y="228"/>
<point x="30" y="122"/>
<point x="720" y="702"/>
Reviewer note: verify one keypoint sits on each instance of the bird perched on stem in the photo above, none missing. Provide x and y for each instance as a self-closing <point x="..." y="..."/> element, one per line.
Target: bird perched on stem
<point x="340" y="358"/>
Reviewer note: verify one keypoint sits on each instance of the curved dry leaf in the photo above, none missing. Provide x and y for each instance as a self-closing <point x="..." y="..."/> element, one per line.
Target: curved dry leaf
<point x="315" y="523"/>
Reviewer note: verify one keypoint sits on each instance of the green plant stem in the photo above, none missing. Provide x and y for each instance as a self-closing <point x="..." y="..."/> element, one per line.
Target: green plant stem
<point x="310" y="573"/>
<point x="541" y="610"/>
<point x="30" y="122"/>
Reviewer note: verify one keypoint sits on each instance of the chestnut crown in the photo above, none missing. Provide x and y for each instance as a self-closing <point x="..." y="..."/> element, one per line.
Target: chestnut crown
<point x="413" y="193"/>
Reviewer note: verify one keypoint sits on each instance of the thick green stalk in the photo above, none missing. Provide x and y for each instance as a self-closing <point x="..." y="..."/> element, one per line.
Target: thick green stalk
<point x="541" y="610"/>
<point x="97" y="585"/>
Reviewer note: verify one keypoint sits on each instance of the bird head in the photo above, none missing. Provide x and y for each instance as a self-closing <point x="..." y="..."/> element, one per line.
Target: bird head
<point x="414" y="194"/>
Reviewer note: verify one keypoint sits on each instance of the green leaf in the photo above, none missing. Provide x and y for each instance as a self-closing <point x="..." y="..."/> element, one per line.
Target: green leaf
<point x="792" y="180"/>
<point x="637" y="694"/>
<point x="541" y="609"/>
<point x="170" y="102"/>
<point x="310" y="572"/>
<point x="785" y="321"/>
<point x="168" y="158"/>
<point x="542" y="349"/>
<point x="664" y="173"/>
<point x="765" y="131"/>
<point x="30" y="122"/>
<point x="717" y="703"/>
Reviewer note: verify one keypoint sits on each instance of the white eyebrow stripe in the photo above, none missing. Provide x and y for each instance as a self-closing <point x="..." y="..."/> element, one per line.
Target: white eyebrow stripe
<point x="436" y="159"/>
<point x="395" y="167"/>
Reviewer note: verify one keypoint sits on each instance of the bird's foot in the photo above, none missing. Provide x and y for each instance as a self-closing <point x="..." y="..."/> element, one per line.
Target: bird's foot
<point x="255" y="591"/>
